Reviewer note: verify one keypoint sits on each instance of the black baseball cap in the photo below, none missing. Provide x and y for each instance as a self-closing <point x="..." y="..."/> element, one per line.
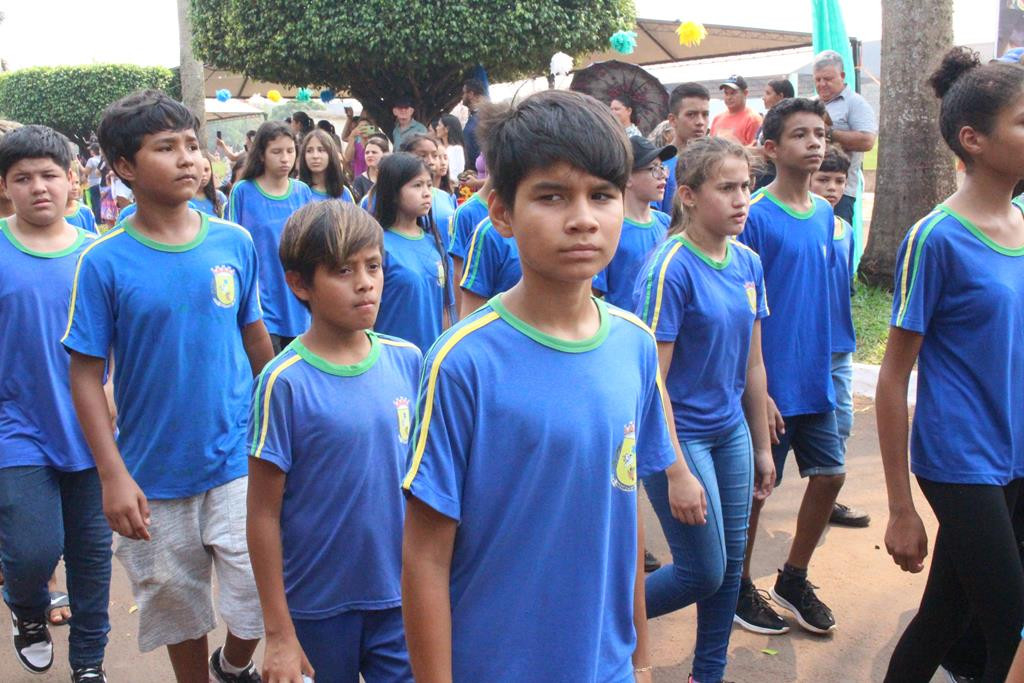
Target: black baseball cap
<point x="644" y="151"/>
<point x="403" y="101"/>
<point x="734" y="82"/>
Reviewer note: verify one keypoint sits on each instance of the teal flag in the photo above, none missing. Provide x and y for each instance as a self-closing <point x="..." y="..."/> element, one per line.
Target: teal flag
<point x="829" y="33"/>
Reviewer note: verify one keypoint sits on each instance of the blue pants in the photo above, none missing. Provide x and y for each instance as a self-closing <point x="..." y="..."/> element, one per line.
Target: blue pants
<point x="43" y="513"/>
<point x="842" y="381"/>
<point x="367" y="642"/>
<point x="706" y="560"/>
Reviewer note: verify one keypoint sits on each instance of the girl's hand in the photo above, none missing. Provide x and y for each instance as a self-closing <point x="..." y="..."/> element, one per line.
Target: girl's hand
<point x="776" y="425"/>
<point x="907" y="541"/>
<point x="764" y="474"/>
<point x="686" y="499"/>
<point x="284" y="661"/>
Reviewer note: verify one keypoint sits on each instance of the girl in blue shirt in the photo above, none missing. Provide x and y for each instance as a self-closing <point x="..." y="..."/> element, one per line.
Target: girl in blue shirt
<point x="208" y="198"/>
<point x="417" y="302"/>
<point x="427" y="149"/>
<point x="702" y="293"/>
<point x="958" y="313"/>
<point x="320" y="167"/>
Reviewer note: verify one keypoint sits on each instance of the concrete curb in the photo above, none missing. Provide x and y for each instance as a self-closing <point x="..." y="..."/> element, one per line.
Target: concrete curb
<point x="865" y="379"/>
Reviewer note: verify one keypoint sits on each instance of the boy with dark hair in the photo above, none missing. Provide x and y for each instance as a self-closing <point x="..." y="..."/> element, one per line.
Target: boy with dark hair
<point x="791" y="230"/>
<point x="332" y="414"/>
<point x="829" y="181"/>
<point x="50" y="499"/>
<point x="173" y="293"/>
<point x="536" y="415"/>
<point x="688" y="112"/>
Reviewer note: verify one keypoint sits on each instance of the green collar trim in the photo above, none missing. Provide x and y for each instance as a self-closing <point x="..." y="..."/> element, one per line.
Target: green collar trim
<point x="790" y="210"/>
<point x="477" y="198"/>
<point x="717" y="265"/>
<point x="637" y="224"/>
<point x="288" y="192"/>
<point x="6" y="230"/>
<point x="555" y="343"/>
<point x="985" y="239"/>
<point x="422" y="234"/>
<point x="204" y="227"/>
<point x="333" y="368"/>
<point x="73" y="210"/>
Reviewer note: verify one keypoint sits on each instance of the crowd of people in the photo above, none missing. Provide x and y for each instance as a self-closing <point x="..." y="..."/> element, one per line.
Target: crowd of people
<point x="373" y="381"/>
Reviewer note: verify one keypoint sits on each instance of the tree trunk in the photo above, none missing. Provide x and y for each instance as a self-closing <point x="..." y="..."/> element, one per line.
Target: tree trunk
<point x="915" y="168"/>
<point x="192" y="93"/>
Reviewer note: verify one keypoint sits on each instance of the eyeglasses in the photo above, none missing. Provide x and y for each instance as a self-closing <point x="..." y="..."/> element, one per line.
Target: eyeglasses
<point x="659" y="171"/>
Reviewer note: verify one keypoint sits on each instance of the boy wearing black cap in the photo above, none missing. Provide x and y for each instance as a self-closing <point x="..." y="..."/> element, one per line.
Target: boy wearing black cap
<point x="643" y="227"/>
<point x="739" y="122"/>
<point x="405" y="125"/>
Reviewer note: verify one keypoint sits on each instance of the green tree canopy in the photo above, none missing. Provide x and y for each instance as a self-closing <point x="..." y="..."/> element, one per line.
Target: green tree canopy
<point x="380" y="49"/>
<point x="71" y="98"/>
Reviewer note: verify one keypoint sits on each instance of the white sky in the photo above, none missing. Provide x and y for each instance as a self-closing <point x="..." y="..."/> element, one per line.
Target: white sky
<point x="48" y="32"/>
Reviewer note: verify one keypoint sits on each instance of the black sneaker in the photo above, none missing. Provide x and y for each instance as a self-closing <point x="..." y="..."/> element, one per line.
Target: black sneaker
<point x="651" y="563"/>
<point x="248" y="675"/>
<point x="88" y="674"/>
<point x="799" y="598"/>
<point x="32" y="644"/>
<point x="843" y="515"/>
<point x="755" y="614"/>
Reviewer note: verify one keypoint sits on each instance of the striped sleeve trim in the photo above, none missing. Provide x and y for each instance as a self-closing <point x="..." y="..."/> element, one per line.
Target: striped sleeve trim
<point x="472" y="265"/>
<point x="912" y="259"/>
<point x="656" y="281"/>
<point x="397" y="342"/>
<point x="262" y="404"/>
<point x="423" y="426"/>
<point x="78" y="269"/>
<point x="626" y="315"/>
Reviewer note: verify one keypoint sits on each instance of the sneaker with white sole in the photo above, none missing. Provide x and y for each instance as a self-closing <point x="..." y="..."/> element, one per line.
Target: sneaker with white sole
<point x="799" y="598"/>
<point x="248" y="675"/>
<point x="754" y="614"/>
<point x="88" y="674"/>
<point x="32" y="644"/>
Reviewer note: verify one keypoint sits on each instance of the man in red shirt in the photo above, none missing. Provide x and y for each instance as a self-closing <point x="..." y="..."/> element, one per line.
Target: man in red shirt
<point x="739" y="122"/>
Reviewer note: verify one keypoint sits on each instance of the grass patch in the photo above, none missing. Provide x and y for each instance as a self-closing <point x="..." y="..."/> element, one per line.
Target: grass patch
<point x="872" y="308"/>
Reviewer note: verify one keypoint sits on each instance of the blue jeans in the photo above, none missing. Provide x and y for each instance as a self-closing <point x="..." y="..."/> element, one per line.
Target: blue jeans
<point x="44" y="512"/>
<point x="706" y="560"/>
<point x="842" y="380"/>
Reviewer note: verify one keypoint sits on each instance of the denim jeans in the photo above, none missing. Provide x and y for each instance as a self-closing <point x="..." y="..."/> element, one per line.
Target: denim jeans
<point x="707" y="560"/>
<point x="842" y="380"/>
<point x="45" y="512"/>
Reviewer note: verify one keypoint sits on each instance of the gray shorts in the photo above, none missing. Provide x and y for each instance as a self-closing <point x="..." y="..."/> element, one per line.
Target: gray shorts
<point x="171" y="574"/>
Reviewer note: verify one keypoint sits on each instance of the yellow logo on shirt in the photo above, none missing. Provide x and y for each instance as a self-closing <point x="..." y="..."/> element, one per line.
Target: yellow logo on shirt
<point x="224" y="286"/>
<point x="751" y="296"/>
<point x="624" y="476"/>
<point x="440" y="274"/>
<point x="404" y="418"/>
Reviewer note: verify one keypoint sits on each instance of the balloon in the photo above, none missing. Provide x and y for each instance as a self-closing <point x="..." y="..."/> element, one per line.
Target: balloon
<point x="223" y="95"/>
<point x="274" y="95"/>
<point x="326" y="96"/>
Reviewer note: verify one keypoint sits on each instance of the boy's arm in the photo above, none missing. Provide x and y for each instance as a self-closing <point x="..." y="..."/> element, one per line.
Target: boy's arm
<point x="641" y="657"/>
<point x="284" y="659"/>
<point x="124" y="503"/>
<point x="257" y="345"/>
<point x="427" y="545"/>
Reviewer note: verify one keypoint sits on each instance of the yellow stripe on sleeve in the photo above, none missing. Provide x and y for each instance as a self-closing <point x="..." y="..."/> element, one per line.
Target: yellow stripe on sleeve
<point x="265" y="422"/>
<point x="626" y="315"/>
<point x="661" y="284"/>
<point x="397" y="342"/>
<point x="905" y="276"/>
<point x="78" y="269"/>
<point x="428" y="403"/>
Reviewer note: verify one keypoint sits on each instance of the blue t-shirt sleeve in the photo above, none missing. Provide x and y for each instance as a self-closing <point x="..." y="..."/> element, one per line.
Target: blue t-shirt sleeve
<point x="483" y="262"/>
<point x="662" y="293"/>
<point x="918" y="282"/>
<point x="270" y="429"/>
<point x="249" y="308"/>
<point x="90" y="327"/>
<point x="762" y="297"/>
<point x="655" y="451"/>
<point x="234" y="212"/>
<point x="442" y="436"/>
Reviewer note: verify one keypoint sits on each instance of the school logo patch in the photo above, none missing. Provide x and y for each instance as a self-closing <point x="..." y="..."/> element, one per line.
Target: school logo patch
<point x="224" y="294"/>
<point x="751" y="296"/>
<point x="404" y="418"/>
<point x="624" y="474"/>
<point x="440" y="274"/>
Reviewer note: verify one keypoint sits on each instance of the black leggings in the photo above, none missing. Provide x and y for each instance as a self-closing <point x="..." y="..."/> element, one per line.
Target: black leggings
<point x="976" y="569"/>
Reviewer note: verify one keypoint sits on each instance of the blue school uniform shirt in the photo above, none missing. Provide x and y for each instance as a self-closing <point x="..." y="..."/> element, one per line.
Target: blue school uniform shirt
<point x="264" y="216"/>
<point x="797" y="254"/>
<point x="417" y="289"/>
<point x="965" y="294"/>
<point x="469" y="215"/>
<point x="340" y="433"/>
<point x="636" y="243"/>
<point x="173" y="316"/>
<point x="492" y="262"/>
<point x="708" y="309"/>
<point x="38" y="426"/>
<point x="193" y="203"/>
<point x="438" y="210"/>
<point x="844" y="338"/>
<point x="533" y="443"/>
<point x="204" y="205"/>
<point x="346" y="195"/>
<point x="83" y="218"/>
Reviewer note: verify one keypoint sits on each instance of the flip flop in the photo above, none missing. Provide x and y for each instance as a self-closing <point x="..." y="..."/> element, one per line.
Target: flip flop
<point x="58" y="600"/>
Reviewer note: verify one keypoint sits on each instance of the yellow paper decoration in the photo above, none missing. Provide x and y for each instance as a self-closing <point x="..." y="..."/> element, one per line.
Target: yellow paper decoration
<point x="274" y="96"/>
<point x="691" y="33"/>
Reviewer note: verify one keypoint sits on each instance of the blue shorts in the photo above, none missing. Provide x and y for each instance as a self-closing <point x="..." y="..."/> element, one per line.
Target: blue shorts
<point x="367" y="642"/>
<point x="815" y="442"/>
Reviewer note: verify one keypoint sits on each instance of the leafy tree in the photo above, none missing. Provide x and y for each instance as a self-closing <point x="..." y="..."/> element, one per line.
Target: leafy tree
<point x="71" y="98"/>
<point x="380" y="49"/>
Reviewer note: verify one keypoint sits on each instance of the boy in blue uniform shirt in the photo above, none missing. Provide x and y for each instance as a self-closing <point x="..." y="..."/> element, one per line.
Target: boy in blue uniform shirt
<point x="492" y="267"/>
<point x="50" y="498"/>
<point x="643" y="227"/>
<point x="791" y="230"/>
<point x="332" y="417"/>
<point x="536" y="415"/>
<point x="173" y="294"/>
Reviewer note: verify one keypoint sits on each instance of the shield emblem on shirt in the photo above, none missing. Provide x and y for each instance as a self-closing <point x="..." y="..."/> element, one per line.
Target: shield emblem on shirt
<point x="751" y="296"/>
<point x="224" y="286"/>
<point x="404" y="418"/>
<point x="624" y="476"/>
<point x="440" y="274"/>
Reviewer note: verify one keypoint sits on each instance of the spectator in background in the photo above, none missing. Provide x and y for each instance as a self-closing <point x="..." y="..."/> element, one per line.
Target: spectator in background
<point x="622" y="110"/>
<point x="235" y="156"/>
<point x="854" y="126"/>
<point x="663" y="134"/>
<point x="405" y="125"/>
<point x="739" y="122"/>
<point x="774" y="92"/>
<point x="688" y="108"/>
<point x="449" y="132"/>
<point x="376" y="148"/>
<point x="302" y="124"/>
<point x="92" y="166"/>
<point x="474" y="95"/>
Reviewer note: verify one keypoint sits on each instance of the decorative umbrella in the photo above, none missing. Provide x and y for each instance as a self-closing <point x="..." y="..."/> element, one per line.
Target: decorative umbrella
<point x="613" y="79"/>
